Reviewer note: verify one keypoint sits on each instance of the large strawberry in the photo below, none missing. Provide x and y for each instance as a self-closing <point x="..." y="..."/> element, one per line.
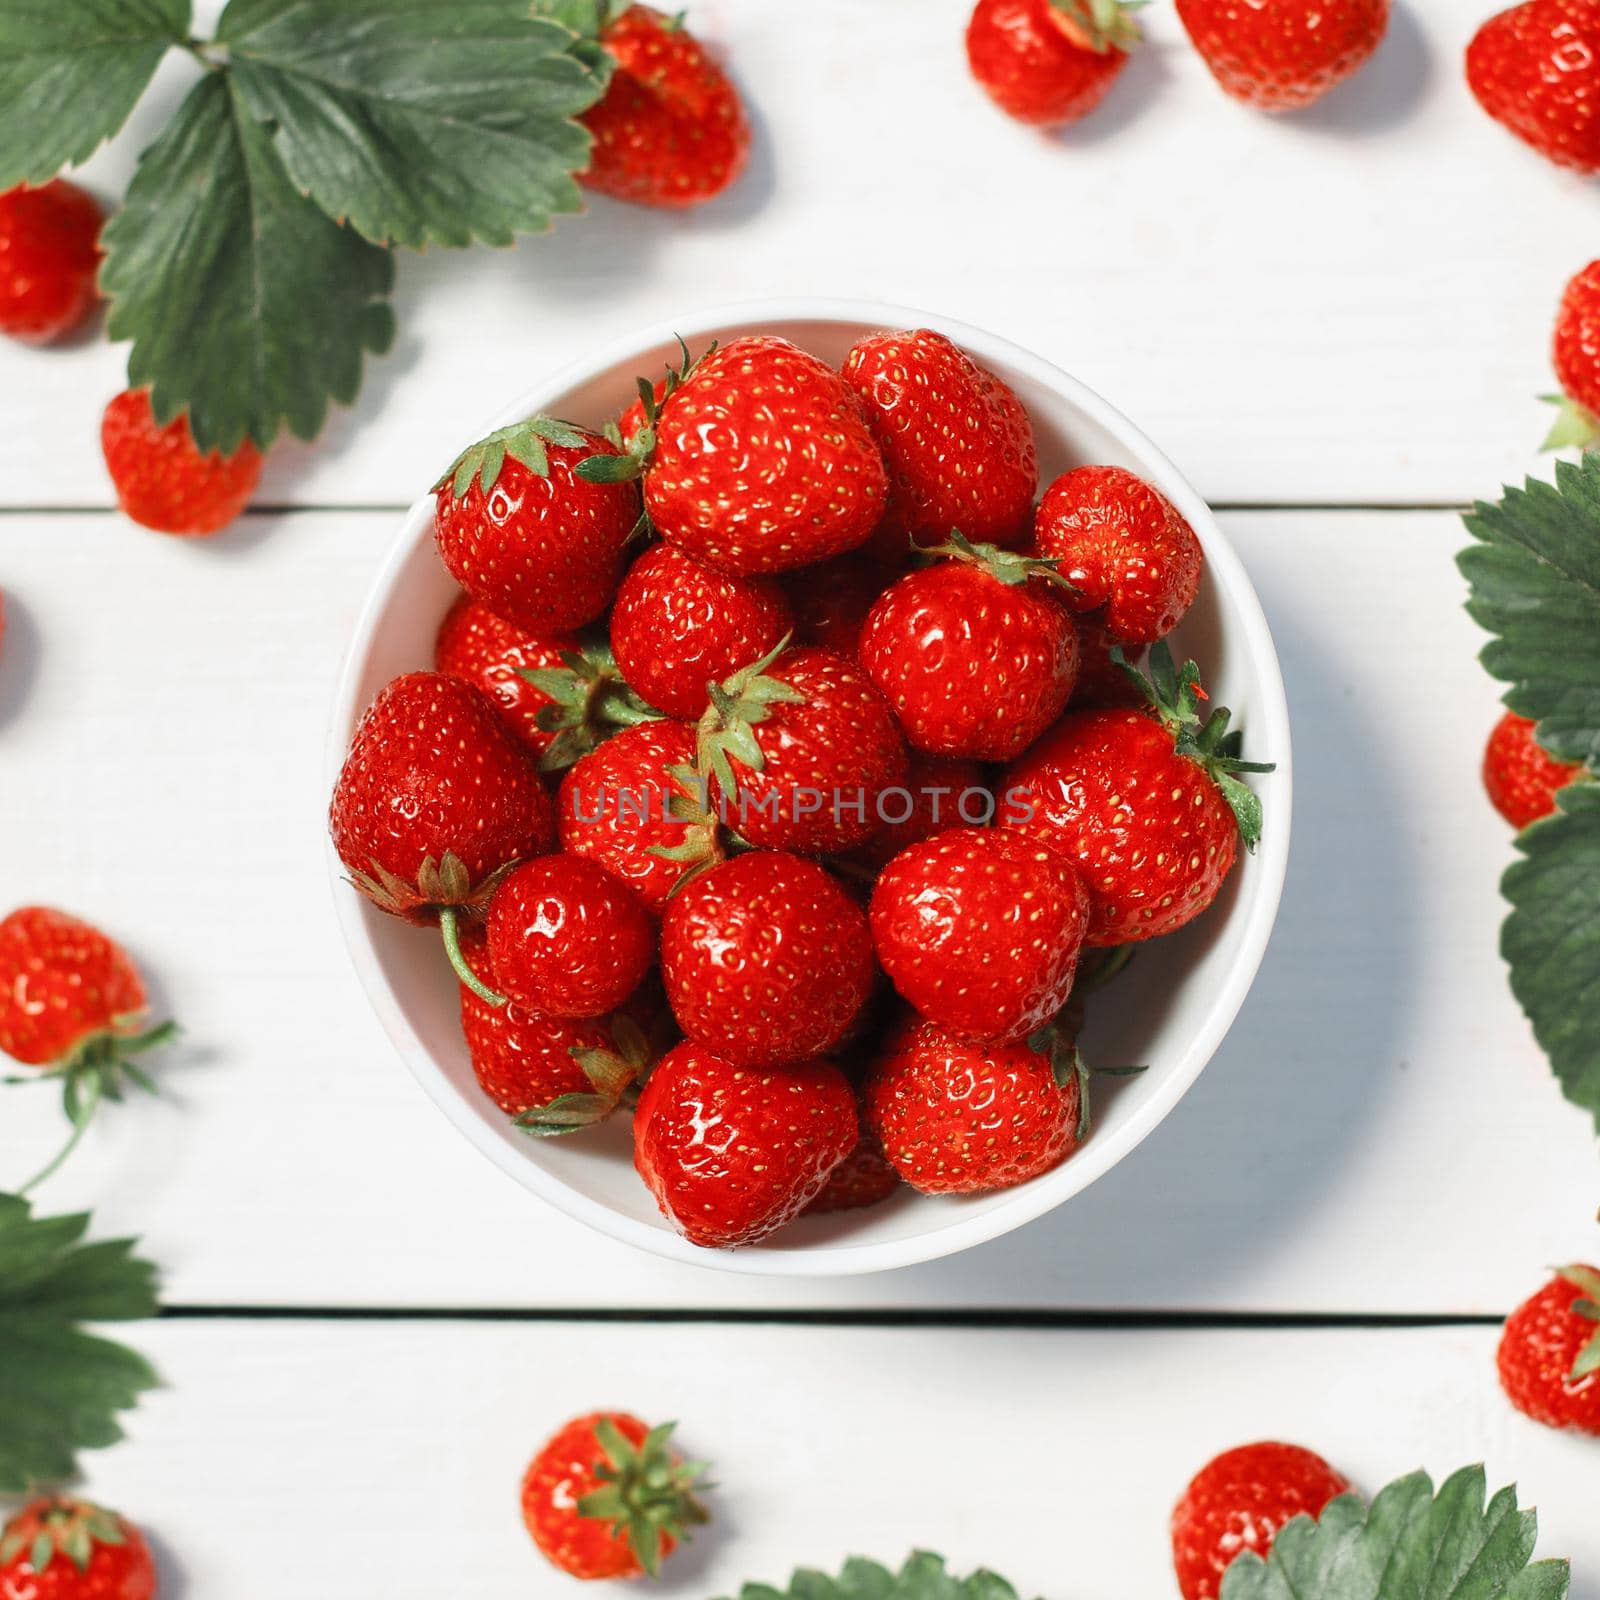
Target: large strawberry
<point x="733" y="1152"/>
<point x="954" y="1117"/>
<point x="1549" y="1353"/>
<point x="980" y="930"/>
<point x="756" y="459"/>
<point x="1240" y="1501"/>
<point x="637" y="806"/>
<point x="797" y="751"/>
<point x="765" y="959"/>
<point x="523" y="532"/>
<point x="49" y="256"/>
<point x="607" y="1498"/>
<point x="1125" y="551"/>
<point x="1522" y="777"/>
<point x="1148" y="804"/>
<point x="1049" y="62"/>
<point x="1535" y="68"/>
<point x="949" y="645"/>
<point x="678" y="626"/>
<point x="956" y="440"/>
<point x="670" y="129"/>
<point x="57" y="1548"/>
<point x="1576" y="354"/>
<point x="1280" y="55"/>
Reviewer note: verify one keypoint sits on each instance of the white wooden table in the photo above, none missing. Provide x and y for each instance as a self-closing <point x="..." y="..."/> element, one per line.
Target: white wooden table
<point x="1336" y="325"/>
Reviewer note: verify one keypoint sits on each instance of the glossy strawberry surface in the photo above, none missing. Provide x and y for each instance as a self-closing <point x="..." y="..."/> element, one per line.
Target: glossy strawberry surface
<point x="1280" y="55"/>
<point x="732" y="1153"/>
<point x="765" y="959"/>
<point x="1036" y="63"/>
<point x="1535" y="68"/>
<point x="956" y="440"/>
<point x="49" y="255"/>
<point x="1576" y="346"/>
<point x="61" y="982"/>
<point x="88" y="1554"/>
<point x="980" y="930"/>
<point x="1520" y="775"/>
<point x="1540" y="1348"/>
<point x="763" y="461"/>
<point x="679" y="625"/>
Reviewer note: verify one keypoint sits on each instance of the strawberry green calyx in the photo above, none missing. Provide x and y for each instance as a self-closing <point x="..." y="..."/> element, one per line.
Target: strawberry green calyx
<point x="442" y="884"/>
<point x="1103" y="25"/>
<point x="702" y="843"/>
<point x="737" y="706"/>
<point x="631" y="464"/>
<point x="612" y="1072"/>
<point x="1175" y="695"/>
<point x="1008" y="566"/>
<point x="1575" y="427"/>
<point x="591" y="699"/>
<point x="68" y="1528"/>
<point x="522" y="441"/>
<point x="1587" y="1280"/>
<point x="648" y="1495"/>
<point x="1059" y="1046"/>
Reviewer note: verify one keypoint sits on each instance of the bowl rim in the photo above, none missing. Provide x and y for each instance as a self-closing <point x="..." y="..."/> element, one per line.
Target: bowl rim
<point x="1269" y="715"/>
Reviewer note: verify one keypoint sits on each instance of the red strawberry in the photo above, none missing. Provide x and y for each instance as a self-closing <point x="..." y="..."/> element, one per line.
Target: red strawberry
<point x="1549" y="1355"/>
<point x="1577" y="362"/>
<point x="671" y="129"/>
<point x="1240" y="1501"/>
<point x="636" y="806"/>
<point x="60" y="1549"/>
<point x="522" y="531"/>
<point x="980" y="930"/>
<point x="732" y="1152"/>
<point x="1101" y="680"/>
<point x="951" y="645"/>
<point x="1535" y="69"/>
<point x="1049" y="62"/>
<point x="436" y="802"/>
<point x="798" y="750"/>
<point x="765" y="959"/>
<point x="938" y="794"/>
<point x="567" y="938"/>
<point x="606" y="1498"/>
<point x="960" y="1118"/>
<point x="864" y="1178"/>
<point x="957" y="443"/>
<point x="162" y="480"/>
<point x="830" y="601"/>
<point x="1280" y="55"/>
<point x="49" y="255"/>
<point x="679" y="625"/>
<point x="1522" y="777"/>
<point x="1124" y="548"/>
<point x="1148" y="807"/>
<point x="757" y="460"/>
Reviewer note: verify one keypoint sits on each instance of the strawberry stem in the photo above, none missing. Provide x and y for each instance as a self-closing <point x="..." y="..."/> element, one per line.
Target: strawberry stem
<point x="80" y="1126"/>
<point x="450" y="932"/>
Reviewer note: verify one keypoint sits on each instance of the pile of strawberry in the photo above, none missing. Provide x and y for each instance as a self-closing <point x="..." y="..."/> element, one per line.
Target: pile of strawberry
<point x="782" y="760"/>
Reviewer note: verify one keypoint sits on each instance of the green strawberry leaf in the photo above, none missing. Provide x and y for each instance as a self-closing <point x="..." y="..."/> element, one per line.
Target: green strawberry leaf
<point x="61" y="1388"/>
<point x="420" y="123"/>
<point x="245" y="303"/>
<point x="1410" y="1545"/>
<point x="923" y="1577"/>
<point x="1534" y="569"/>
<point x="71" y="72"/>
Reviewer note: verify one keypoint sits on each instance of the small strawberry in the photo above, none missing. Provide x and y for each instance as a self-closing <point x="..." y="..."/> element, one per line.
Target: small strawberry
<point x="49" y="255"/>
<point x="955" y="1117"/>
<point x="732" y="1153"/>
<point x="1535" y="69"/>
<point x="60" y="1549"/>
<point x="670" y="130"/>
<point x="522" y="531"/>
<point x="864" y="1178"/>
<point x="980" y="930"/>
<point x="567" y="938"/>
<point x="756" y="459"/>
<point x="765" y="959"/>
<point x="1125" y="550"/>
<point x="607" y="1498"/>
<point x="1240" y="1501"/>
<point x="830" y="601"/>
<point x="1577" y="361"/>
<point x="1280" y="55"/>
<point x="436" y="802"/>
<point x="937" y="794"/>
<point x="1148" y="806"/>
<point x="957" y="443"/>
<point x="162" y="480"/>
<point x="1521" y="776"/>
<point x="637" y="806"/>
<point x="1049" y="62"/>
<point x="679" y="625"/>
<point x="797" y="751"/>
<point x="1549" y="1355"/>
<point x="950" y="644"/>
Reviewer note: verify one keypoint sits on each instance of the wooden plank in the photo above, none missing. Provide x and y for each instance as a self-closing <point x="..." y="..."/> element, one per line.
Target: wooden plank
<point x="385" y="1459"/>
<point x="1378" y="1133"/>
<point x="1348" y="306"/>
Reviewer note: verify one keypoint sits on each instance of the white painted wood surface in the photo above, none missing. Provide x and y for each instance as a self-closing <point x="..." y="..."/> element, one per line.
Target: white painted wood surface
<point x="1379" y="1133"/>
<point x="385" y="1460"/>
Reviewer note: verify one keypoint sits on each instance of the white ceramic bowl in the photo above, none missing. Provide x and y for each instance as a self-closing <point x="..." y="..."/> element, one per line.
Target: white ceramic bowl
<point x="1169" y="1011"/>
